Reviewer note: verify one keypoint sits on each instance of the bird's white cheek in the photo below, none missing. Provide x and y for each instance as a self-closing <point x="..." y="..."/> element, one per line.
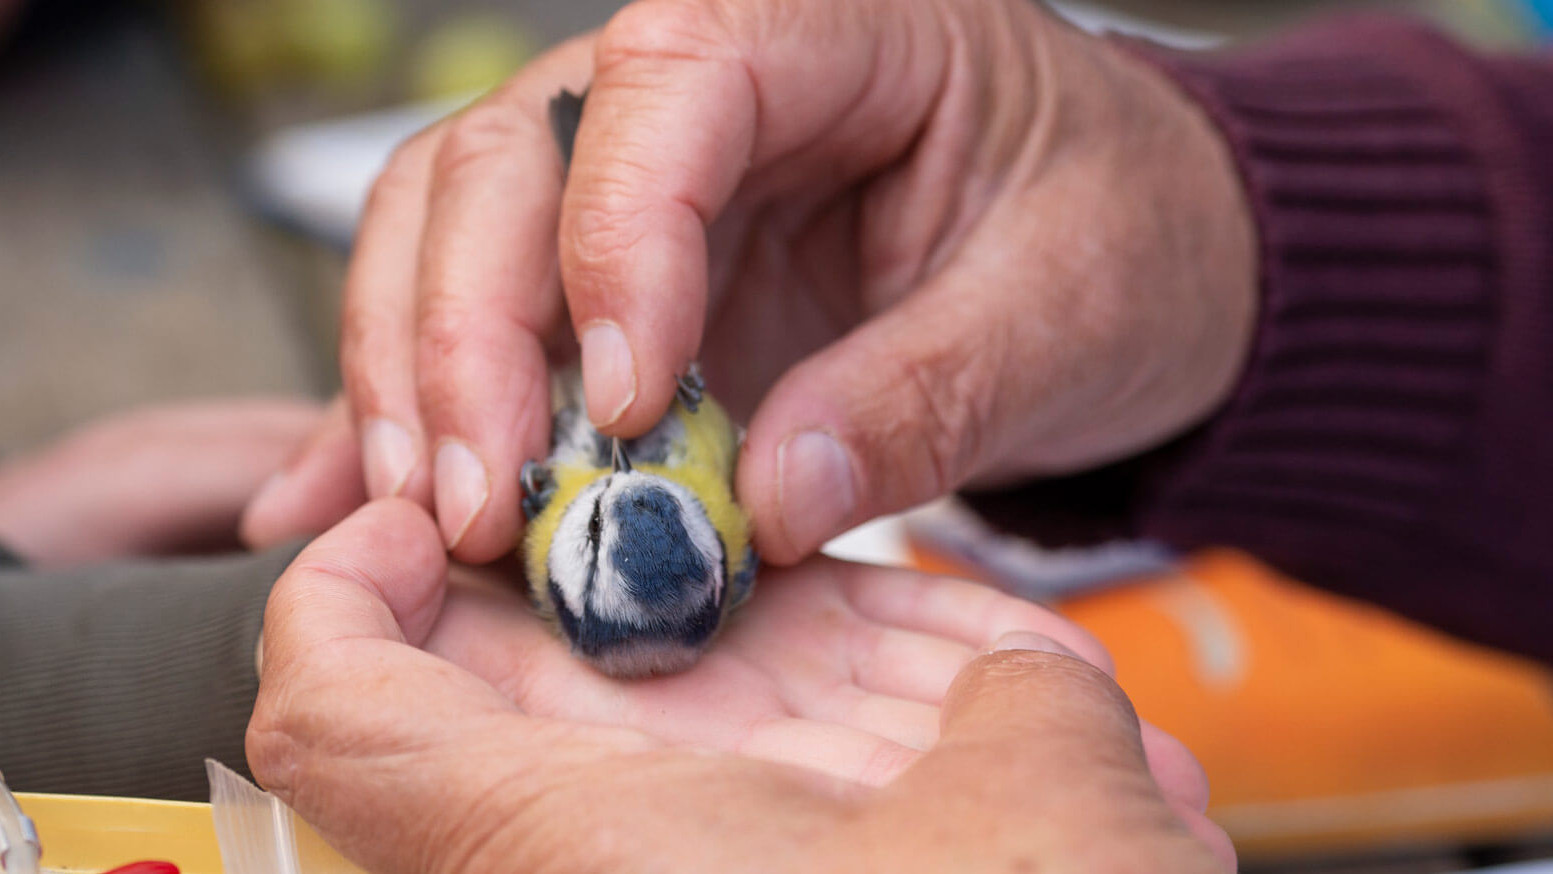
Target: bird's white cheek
<point x="571" y="561"/>
<point x="610" y="598"/>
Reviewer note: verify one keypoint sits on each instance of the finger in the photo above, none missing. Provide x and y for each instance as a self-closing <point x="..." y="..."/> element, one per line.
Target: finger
<point x="1211" y="834"/>
<point x="895" y="413"/>
<point x="380" y="574"/>
<point x="185" y="481"/>
<point x="973" y="614"/>
<point x="335" y="732"/>
<point x="318" y="487"/>
<point x="158" y="481"/>
<point x="689" y="102"/>
<point x="910" y="724"/>
<point x="803" y="633"/>
<point x="1035" y="732"/>
<point x="1179" y="775"/>
<point x="907" y="664"/>
<point x="836" y="750"/>
<point x="817" y="668"/>
<point x="489" y="294"/>
<point x="377" y="330"/>
<point x="1042" y="690"/>
<point x="333" y="621"/>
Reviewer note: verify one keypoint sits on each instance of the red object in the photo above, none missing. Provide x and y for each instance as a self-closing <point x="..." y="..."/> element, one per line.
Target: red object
<point x="146" y="868"/>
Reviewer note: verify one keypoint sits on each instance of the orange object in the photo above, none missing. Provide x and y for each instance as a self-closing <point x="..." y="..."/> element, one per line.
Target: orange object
<point x="1324" y="723"/>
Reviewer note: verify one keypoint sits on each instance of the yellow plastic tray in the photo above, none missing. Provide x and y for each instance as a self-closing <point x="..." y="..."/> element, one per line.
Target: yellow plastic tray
<point x="82" y="833"/>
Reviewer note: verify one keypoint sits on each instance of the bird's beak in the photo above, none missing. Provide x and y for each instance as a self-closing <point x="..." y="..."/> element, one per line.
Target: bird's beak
<point x="617" y="458"/>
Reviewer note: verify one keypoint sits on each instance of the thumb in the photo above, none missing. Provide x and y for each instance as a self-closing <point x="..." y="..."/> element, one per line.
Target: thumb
<point x="338" y="731"/>
<point x="1051" y="743"/>
<point x="1047" y="717"/>
<point x="900" y="411"/>
<point x="402" y="761"/>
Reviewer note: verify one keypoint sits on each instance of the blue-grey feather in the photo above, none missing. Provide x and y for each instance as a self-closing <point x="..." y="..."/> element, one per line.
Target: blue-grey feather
<point x="592" y="634"/>
<point x="653" y="552"/>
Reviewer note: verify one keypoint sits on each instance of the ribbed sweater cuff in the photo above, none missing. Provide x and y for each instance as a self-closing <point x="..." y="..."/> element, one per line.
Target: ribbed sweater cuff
<point x="1388" y="436"/>
<point x="1359" y="148"/>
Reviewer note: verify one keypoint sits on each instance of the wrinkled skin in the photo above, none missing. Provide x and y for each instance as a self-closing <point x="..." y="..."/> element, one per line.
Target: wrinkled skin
<point x="915" y="242"/>
<point x="914" y="751"/>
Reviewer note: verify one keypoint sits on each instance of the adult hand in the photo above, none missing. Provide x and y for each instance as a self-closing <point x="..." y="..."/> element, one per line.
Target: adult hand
<point x="529" y="761"/>
<point x="923" y="241"/>
<point x="156" y="481"/>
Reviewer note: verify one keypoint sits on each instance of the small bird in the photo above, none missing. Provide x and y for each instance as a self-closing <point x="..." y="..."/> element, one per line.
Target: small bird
<point x="636" y="550"/>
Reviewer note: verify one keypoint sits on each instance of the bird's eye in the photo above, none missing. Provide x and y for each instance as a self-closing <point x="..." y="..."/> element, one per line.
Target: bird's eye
<point x="595" y="523"/>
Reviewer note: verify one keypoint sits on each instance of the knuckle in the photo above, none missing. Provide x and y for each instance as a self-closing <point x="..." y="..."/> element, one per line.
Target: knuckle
<point x="605" y="226"/>
<point x="273" y="750"/>
<point x="477" y="138"/>
<point x="946" y="391"/>
<point x="456" y="345"/>
<point x="444" y="334"/>
<point x="404" y="174"/>
<point x="451" y="328"/>
<point x="659" y="30"/>
<point x="441" y="330"/>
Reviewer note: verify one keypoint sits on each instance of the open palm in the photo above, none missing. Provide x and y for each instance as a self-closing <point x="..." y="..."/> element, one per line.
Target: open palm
<point x="409" y="763"/>
<point x="835" y="666"/>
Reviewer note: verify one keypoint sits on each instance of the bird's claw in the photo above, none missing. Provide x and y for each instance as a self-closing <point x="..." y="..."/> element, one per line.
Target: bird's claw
<point x="537" y="485"/>
<point x="691" y="387"/>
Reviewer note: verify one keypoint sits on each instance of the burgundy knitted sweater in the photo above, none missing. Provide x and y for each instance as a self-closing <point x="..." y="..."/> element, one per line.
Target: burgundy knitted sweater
<point x="1392" y="436"/>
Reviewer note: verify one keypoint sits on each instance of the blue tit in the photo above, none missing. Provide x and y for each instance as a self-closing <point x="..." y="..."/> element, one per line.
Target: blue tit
<point x="635" y="550"/>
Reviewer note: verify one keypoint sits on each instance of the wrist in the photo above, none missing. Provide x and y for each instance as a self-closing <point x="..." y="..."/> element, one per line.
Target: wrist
<point x="1209" y="222"/>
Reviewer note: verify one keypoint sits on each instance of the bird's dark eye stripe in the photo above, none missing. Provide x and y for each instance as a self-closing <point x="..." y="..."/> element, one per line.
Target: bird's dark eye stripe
<point x="596" y="523"/>
<point x="595" y="531"/>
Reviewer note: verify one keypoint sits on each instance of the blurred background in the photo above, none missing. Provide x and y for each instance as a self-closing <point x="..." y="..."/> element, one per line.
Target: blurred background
<point x="178" y="186"/>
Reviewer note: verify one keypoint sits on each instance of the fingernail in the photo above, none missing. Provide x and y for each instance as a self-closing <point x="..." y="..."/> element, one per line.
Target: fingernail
<point x="462" y="488"/>
<point x="1032" y="642"/>
<point x="816" y="494"/>
<point x="608" y="373"/>
<point x="388" y="453"/>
